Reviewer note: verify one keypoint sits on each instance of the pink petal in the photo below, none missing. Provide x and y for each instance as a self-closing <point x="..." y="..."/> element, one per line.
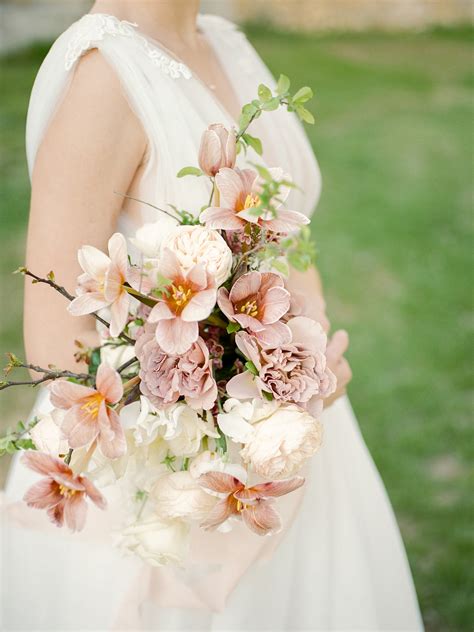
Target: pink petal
<point x="119" y="314"/>
<point x="224" y="303"/>
<point x="287" y="221"/>
<point x="219" y="513"/>
<point x="221" y="218"/>
<point x="93" y="493"/>
<point x="56" y="513"/>
<point x="111" y="440"/>
<point x="248" y="178"/>
<point x="79" y="428"/>
<point x="276" y="304"/>
<point x="248" y="345"/>
<point x="220" y="482"/>
<point x="87" y="304"/>
<point x="246" y="286"/>
<point x="197" y="276"/>
<point x="176" y="336"/>
<point x="277" y="488"/>
<point x="42" y="494"/>
<point x="243" y="386"/>
<point x="274" y="335"/>
<point x="200" y="306"/>
<point x="75" y="511"/>
<point x="248" y="322"/>
<point x="160" y="311"/>
<point x="262" y="518"/>
<point x="169" y="265"/>
<point x="230" y="187"/>
<point x="93" y="261"/>
<point x="269" y="280"/>
<point x="39" y="462"/>
<point x="68" y="480"/>
<point x="118" y="253"/>
<point x="210" y="152"/>
<point x="65" y="394"/>
<point x="109" y="383"/>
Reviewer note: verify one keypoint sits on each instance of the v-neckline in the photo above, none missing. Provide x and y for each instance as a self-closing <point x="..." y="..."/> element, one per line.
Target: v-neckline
<point x="167" y="51"/>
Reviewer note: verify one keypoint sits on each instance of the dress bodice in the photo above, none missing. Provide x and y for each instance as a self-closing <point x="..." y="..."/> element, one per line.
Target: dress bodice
<point x="174" y="107"/>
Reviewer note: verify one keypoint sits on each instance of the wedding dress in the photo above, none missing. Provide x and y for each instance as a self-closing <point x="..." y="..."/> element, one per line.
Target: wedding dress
<point x="340" y="562"/>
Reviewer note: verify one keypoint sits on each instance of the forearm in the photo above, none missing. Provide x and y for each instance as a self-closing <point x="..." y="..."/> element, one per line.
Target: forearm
<point x="308" y="285"/>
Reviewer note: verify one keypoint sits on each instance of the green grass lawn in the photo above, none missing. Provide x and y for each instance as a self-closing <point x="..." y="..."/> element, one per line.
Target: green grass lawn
<point x="394" y="229"/>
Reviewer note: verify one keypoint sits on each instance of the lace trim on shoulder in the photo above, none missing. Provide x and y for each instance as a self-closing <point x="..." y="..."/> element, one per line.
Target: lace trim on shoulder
<point x="93" y="27"/>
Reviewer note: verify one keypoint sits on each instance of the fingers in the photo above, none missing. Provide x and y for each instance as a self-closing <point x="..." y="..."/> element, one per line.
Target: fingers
<point x="337" y="346"/>
<point x="344" y="374"/>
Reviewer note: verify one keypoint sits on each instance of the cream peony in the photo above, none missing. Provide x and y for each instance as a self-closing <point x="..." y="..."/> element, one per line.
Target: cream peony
<point x="155" y="541"/>
<point x="196" y="244"/>
<point x="282" y="442"/>
<point x="149" y="237"/>
<point x="178" y="495"/>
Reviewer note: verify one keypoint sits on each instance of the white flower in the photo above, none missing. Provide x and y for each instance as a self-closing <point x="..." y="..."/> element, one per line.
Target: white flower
<point x="143" y="418"/>
<point x="183" y="429"/>
<point x="47" y="435"/>
<point x="282" y="442"/>
<point x="211" y="462"/>
<point x="115" y="355"/>
<point x="178" y="495"/>
<point x="198" y="244"/>
<point x="149" y="237"/>
<point x="155" y="541"/>
<point x="234" y="422"/>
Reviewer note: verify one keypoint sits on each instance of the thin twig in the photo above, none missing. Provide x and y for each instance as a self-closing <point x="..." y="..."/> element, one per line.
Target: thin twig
<point x="48" y="374"/>
<point x="157" y="208"/>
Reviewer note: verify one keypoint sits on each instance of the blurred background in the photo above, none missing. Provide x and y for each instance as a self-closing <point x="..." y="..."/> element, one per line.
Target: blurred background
<point x="394" y="103"/>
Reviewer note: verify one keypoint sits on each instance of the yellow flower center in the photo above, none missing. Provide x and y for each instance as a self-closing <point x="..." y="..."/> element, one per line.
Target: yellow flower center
<point x="66" y="491"/>
<point x="92" y="404"/>
<point x="250" y="308"/>
<point x="251" y="201"/>
<point x="179" y="296"/>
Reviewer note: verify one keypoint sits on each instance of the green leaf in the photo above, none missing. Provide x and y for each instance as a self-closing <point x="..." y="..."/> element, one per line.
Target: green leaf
<point x="232" y="328"/>
<point x="281" y="266"/>
<point x="283" y="85"/>
<point x="273" y="104"/>
<point x="250" y="366"/>
<point x="189" y="171"/>
<point x="254" y="142"/>
<point x="304" y="114"/>
<point x="303" y="95"/>
<point x="264" y="93"/>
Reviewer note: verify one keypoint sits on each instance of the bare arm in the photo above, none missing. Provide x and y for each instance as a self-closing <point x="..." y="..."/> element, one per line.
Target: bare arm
<point x="92" y="148"/>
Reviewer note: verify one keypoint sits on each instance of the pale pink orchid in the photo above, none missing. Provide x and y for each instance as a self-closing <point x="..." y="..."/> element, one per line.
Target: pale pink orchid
<point x="257" y="301"/>
<point x="255" y="505"/>
<point x="295" y="372"/>
<point x="217" y="150"/>
<point x="239" y="195"/>
<point x="88" y="415"/>
<point x="62" y="493"/>
<point x="188" y="299"/>
<point x="102" y="283"/>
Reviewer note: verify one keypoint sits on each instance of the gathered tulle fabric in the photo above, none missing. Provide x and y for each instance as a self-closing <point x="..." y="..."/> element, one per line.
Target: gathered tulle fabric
<point x="339" y="562"/>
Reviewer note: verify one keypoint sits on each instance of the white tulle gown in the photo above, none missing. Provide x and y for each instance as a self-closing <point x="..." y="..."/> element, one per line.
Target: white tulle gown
<point x="340" y="563"/>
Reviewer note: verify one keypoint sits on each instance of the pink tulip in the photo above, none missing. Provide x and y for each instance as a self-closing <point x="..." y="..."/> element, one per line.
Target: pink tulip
<point x="89" y="415"/>
<point x="254" y="505"/>
<point x="239" y="195"/>
<point x="62" y="493"/>
<point x="217" y="150"/>
<point x="102" y="284"/>
<point x="188" y="299"/>
<point x="257" y="301"/>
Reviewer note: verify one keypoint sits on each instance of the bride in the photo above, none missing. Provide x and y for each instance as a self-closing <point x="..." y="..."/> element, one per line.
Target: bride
<point x="118" y="107"/>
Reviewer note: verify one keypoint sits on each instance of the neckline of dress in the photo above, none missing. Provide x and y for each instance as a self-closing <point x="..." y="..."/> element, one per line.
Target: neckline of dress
<point x="201" y="18"/>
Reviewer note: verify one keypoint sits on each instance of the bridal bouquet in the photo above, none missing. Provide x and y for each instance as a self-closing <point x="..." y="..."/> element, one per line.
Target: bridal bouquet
<point x="202" y="402"/>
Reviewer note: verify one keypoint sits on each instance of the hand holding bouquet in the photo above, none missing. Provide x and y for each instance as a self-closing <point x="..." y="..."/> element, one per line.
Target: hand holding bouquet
<point x="202" y="402"/>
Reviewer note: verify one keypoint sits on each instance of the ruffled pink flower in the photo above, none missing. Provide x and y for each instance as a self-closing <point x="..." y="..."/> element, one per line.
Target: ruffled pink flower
<point x="102" y="284"/>
<point x="255" y="505"/>
<point x="62" y="493"/>
<point x="295" y="372"/>
<point x="257" y="301"/>
<point x="165" y="378"/>
<point x="217" y="150"/>
<point x="189" y="298"/>
<point x="239" y="195"/>
<point x="89" y="415"/>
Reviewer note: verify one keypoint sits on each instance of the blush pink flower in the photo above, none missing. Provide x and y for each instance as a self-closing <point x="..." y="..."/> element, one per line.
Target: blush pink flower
<point x="62" y="493"/>
<point x="257" y="301"/>
<point x="255" y="505"/>
<point x="189" y="298"/>
<point x="88" y="413"/>
<point x="217" y="149"/>
<point x="239" y="195"/>
<point x="102" y="284"/>
<point x="295" y="372"/>
<point x="165" y="378"/>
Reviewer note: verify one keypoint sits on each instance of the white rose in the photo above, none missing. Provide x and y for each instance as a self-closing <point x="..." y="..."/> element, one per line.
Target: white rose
<point x="282" y="442"/>
<point x="184" y="429"/>
<point x="47" y="435"/>
<point x="156" y="542"/>
<point x="178" y="495"/>
<point x="149" y="237"/>
<point x="198" y="244"/>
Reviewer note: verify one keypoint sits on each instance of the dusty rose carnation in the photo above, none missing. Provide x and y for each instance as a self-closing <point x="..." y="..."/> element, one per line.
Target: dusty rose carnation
<point x="165" y="377"/>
